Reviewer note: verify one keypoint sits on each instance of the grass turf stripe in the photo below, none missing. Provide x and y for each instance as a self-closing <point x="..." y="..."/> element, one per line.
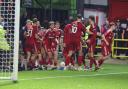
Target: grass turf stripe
<point x="54" y="77"/>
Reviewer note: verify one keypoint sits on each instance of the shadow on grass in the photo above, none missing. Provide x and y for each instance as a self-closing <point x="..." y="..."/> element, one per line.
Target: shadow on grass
<point x="7" y="83"/>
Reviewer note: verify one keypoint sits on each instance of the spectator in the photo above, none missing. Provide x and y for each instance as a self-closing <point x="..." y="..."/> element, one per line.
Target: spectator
<point x="126" y="37"/>
<point x="119" y="32"/>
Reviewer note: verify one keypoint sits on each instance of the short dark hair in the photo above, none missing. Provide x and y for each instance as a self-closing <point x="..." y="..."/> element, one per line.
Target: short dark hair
<point x="51" y="22"/>
<point x="28" y="20"/>
<point x="92" y="18"/>
<point x="112" y="24"/>
<point x="79" y="16"/>
<point x="35" y="20"/>
<point x="57" y="22"/>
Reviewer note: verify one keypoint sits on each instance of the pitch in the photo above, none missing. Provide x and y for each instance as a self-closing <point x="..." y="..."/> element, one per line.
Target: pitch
<point x="110" y="77"/>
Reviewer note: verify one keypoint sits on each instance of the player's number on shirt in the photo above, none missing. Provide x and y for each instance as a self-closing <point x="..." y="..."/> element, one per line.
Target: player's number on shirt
<point x="74" y="29"/>
<point x="29" y="33"/>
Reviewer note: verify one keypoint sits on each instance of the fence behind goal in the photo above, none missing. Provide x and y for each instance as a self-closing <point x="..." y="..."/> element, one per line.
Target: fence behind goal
<point x="122" y="48"/>
<point x="9" y="39"/>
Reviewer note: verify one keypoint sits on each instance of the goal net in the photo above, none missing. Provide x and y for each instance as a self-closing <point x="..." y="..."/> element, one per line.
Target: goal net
<point x="9" y="39"/>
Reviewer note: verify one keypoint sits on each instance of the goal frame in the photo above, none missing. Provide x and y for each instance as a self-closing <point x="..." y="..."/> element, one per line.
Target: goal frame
<point x="14" y="74"/>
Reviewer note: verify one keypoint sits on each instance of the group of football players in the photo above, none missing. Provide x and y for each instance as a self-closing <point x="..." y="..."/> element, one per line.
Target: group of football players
<point x="41" y="45"/>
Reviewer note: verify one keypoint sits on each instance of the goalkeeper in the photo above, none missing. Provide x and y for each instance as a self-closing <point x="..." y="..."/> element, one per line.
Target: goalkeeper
<point x="3" y="42"/>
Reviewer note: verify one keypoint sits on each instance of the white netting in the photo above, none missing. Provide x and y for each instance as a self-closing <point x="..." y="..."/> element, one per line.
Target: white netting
<point x="7" y="38"/>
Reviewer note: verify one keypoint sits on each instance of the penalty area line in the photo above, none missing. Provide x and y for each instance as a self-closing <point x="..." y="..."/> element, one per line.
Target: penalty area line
<point x="71" y="76"/>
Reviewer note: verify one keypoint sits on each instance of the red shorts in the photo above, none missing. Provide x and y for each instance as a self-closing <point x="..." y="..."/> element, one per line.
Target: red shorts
<point x="91" y="45"/>
<point x="106" y="50"/>
<point x="37" y="47"/>
<point x="50" y="46"/>
<point x="29" y="47"/>
<point x="74" y="46"/>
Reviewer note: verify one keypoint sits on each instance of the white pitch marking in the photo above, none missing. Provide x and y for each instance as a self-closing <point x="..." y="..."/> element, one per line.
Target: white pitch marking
<point x="73" y="76"/>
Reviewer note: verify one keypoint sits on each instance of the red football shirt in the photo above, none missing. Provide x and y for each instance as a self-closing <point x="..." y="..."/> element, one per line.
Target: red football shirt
<point x="109" y="36"/>
<point x="50" y="36"/>
<point x="94" y="31"/>
<point x="42" y="33"/>
<point x="73" y="31"/>
<point x="58" y="32"/>
<point x="30" y="33"/>
<point x="67" y="33"/>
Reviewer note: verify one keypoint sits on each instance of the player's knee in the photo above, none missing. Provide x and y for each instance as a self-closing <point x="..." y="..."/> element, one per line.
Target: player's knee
<point x="50" y="55"/>
<point x="80" y="53"/>
<point x="70" y="54"/>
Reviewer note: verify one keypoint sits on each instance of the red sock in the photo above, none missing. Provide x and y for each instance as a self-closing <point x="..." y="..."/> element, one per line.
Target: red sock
<point x="31" y="63"/>
<point x="72" y="61"/>
<point x="84" y="63"/>
<point x="100" y="62"/>
<point x="42" y="62"/>
<point x="91" y="62"/>
<point x="49" y="61"/>
<point x="55" y="63"/>
<point x="94" y="61"/>
<point x="80" y="58"/>
<point x="67" y="61"/>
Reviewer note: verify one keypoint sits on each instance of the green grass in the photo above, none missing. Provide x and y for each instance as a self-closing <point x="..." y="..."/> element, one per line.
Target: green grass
<point x="102" y="79"/>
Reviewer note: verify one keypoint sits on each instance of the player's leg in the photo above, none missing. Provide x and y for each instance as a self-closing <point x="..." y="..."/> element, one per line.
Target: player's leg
<point x="29" y="50"/>
<point x="34" y="61"/>
<point x="39" y="59"/>
<point x="81" y="60"/>
<point x="44" y="56"/>
<point x="72" y="61"/>
<point x="28" y="56"/>
<point x="80" y="57"/>
<point x="50" y="60"/>
<point x="91" y="56"/>
<point x="101" y="60"/>
<point x="90" y="53"/>
<point x="39" y="55"/>
<point x="68" y="52"/>
<point x="105" y="54"/>
<point x="22" y="62"/>
<point x="55" y="50"/>
<point x="43" y="52"/>
<point x="85" y="51"/>
<point x="68" y="58"/>
<point x="55" y="59"/>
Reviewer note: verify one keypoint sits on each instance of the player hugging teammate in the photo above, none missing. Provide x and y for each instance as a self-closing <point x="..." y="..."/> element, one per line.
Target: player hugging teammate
<point x="52" y="40"/>
<point x="32" y="43"/>
<point x="41" y="45"/>
<point x="72" y="43"/>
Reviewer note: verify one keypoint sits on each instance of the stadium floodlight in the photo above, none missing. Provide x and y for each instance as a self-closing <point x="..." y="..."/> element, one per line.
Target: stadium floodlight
<point x="9" y="39"/>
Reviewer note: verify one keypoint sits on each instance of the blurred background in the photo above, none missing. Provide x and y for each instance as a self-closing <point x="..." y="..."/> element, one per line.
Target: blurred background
<point x="62" y="10"/>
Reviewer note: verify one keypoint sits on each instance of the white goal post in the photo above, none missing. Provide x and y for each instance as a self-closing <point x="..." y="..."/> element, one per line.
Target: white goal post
<point x="9" y="39"/>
